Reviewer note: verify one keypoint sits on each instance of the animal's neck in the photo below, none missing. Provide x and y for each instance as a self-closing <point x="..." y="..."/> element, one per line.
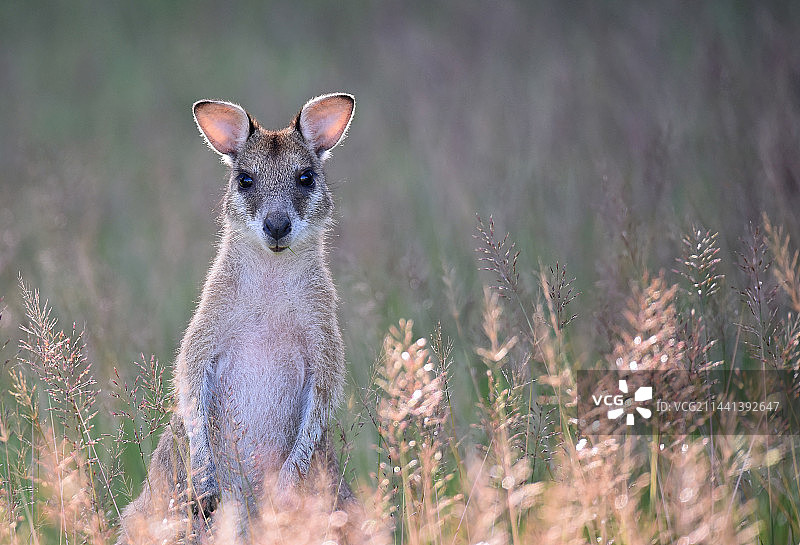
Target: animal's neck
<point x="250" y="266"/>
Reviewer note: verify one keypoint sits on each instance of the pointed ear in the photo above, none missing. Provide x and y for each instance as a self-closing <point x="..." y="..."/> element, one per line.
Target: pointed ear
<point x="324" y="120"/>
<point x="225" y="126"/>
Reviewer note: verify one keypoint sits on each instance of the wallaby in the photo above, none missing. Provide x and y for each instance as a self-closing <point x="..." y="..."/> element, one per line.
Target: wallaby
<point x="261" y="366"/>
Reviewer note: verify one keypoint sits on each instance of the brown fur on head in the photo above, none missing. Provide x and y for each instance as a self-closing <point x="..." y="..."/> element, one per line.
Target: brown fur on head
<point x="277" y="195"/>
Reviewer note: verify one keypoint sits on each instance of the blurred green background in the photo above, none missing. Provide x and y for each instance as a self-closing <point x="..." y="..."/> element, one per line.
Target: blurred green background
<point x="595" y="132"/>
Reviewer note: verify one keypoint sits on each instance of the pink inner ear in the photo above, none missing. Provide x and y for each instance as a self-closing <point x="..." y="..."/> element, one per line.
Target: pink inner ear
<point x="226" y="126"/>
<point x="324" y="122"/>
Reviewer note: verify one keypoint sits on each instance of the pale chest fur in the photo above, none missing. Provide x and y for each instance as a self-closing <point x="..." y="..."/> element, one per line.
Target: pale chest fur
<point x="267" y="331"/>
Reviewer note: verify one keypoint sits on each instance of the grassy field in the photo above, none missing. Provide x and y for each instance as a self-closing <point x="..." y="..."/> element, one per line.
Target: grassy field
<point x="631" y="150"/>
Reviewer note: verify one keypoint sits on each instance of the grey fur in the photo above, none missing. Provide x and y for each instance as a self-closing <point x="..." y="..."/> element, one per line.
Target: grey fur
<point x="260" y="370"/>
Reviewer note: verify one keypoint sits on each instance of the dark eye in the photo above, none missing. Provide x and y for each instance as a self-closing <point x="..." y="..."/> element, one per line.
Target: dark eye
<point x="245" y="181"/>
<point x="306" y="178"/>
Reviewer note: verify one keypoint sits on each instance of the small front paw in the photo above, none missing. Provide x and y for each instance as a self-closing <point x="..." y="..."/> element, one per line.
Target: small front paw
<point x="287" y="486"/>
<point x="289" y="476"/>
<point x="206" y="495"/>
<point x="205" y="505"/>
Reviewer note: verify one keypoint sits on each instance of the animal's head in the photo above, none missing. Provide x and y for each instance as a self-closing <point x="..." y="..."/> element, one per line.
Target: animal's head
<point x="277" y="193"/>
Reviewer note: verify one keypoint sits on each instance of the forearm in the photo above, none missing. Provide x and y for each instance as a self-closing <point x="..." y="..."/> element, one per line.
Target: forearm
<point x="195" y="368"/>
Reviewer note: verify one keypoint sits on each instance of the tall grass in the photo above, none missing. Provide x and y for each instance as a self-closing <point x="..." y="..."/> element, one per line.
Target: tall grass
<point x="633" y="142"/>
<point x="519" y="470"/>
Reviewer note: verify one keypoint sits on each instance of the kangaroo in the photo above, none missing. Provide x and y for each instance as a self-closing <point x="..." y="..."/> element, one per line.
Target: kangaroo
<point x="260" y="369"/>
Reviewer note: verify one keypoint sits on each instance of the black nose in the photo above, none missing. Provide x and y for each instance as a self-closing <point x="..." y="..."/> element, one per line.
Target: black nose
<point x="277" y="225"/>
